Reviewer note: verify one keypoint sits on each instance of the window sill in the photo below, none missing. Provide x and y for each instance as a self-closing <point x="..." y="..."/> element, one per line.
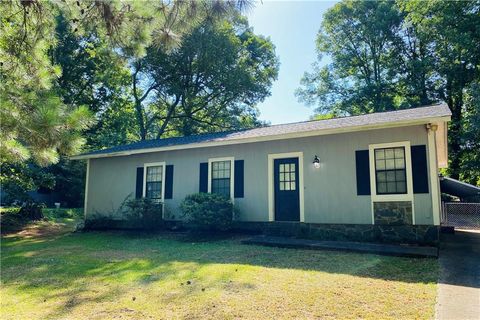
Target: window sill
<point x="392" y="197"/>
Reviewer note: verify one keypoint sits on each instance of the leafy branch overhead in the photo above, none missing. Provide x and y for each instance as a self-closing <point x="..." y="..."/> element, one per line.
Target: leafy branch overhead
<point x="211" y="82"/>
<point x="40" y="120"/>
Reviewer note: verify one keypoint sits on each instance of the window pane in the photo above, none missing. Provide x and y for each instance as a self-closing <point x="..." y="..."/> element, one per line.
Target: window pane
<point x="221" y="186"/>
<point x="154" y="190"/>
<point x="381" y="176"/>
<point x="380" y="165"/>
<point x="399" y="164"/>
<point x="292" y="185"/>
<point x="292" y="176"/>
<point x="390" y="175"/>
<point x="282" y="168"/>
<point x="282" y="185"/>
<point x="401" y="187"/>
<point x="154" y="173"/>
<point x="391" y="187"/>
<point x="292" y="166"/>
<point x="221" y="169"/>
<point x="389" y="154"/>
<point x="400" y="175"/>
<point x="389" y="164"/>
<point x="379" y="154"/>
<point x="399" y="153"/>
<point x="382" y="187"/>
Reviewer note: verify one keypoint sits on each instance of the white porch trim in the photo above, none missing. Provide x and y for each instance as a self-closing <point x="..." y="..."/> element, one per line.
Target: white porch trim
<point x="433" y="172"/>
<point x="85" y="202"/>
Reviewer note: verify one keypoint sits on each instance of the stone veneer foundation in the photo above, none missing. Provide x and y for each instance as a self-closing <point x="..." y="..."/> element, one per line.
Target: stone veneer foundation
<point x="411" y="234"/>
<point x="395" y="213"/>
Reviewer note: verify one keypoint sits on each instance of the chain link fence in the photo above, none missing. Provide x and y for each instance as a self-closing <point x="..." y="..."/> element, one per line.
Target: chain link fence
<point x="463" y="215"/>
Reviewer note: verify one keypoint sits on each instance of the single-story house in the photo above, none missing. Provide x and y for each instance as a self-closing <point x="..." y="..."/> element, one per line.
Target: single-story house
<point x="371" y="177"/>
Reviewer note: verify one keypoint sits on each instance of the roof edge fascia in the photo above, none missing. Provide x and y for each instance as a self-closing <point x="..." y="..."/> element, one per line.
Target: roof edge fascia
<point x="286" y="136"/>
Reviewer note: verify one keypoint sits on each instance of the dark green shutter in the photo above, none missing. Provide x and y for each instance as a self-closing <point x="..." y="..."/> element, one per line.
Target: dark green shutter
<point x="203" y="177"/>
<point x="238" y="179"/>
<point x="419" y="169"/>
<point x="169" y="181"/>
<point x="139" y="184"/>
<point x="363" y="172"/>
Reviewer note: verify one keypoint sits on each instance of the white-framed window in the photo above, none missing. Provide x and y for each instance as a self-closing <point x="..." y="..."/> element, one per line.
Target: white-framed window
<point x="154" y="181"/>
<point x="221" y="176"/>
<point x="391" y="171"/>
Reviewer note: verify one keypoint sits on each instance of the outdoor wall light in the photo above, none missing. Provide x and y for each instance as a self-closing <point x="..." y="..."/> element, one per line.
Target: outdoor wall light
<point x="316" y="162"/>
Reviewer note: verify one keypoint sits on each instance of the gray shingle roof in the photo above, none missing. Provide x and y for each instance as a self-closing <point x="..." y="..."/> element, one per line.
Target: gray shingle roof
<point x="371" y="119"/>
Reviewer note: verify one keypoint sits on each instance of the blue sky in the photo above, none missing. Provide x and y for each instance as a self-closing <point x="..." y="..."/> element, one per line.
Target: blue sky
<point x="292" y="26"/>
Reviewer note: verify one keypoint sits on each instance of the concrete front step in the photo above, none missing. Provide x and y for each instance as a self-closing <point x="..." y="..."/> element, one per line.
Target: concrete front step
<point x="376" y="248"/>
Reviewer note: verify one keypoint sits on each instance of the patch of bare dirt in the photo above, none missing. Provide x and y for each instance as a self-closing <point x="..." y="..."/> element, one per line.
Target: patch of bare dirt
<point x="43" y="229"/>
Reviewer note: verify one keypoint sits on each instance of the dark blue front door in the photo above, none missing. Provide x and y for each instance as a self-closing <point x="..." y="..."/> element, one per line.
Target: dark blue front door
<point x="287" y="199"/>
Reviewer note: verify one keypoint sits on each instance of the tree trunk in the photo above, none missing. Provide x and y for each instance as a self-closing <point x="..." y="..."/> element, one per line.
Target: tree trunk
<point x="424" y="100"/>
<point x="138" y="106"/>
<point x="171" y="109"/>
<point x="140" y="120"/>
<point x="455" y="102"/>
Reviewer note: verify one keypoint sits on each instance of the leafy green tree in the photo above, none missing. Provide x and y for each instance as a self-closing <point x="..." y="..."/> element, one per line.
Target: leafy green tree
<point x="323" y="116"/>
<point x="61" y="62"/>
<point x="96" y="76"/>
<point x="17" y="179"/>
<point x="38" y="125"/>
<point x="470" y="152"/>
<point x="392" y="55"/>
<point x="35" y="122"/>
<point x="69" y="181"/>
<point x="211" y="82"/>
<point x="451" y="30"/>
<point x="360" y="38"/>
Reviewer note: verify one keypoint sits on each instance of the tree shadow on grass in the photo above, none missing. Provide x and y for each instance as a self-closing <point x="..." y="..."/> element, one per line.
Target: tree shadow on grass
<point x="75" y="261"/>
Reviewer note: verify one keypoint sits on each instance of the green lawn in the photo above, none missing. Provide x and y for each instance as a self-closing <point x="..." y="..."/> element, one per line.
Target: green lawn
<point x="48" y="272"/>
